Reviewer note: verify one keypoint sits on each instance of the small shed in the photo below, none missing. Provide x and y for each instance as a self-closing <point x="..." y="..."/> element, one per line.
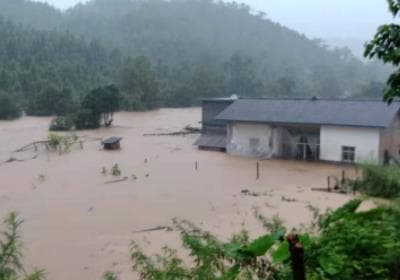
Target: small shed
<point x="112" y="143"/>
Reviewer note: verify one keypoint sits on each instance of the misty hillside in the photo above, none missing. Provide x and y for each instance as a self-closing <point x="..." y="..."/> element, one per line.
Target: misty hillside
<point x="200" y="48"/>
<point x="34" y="64"/>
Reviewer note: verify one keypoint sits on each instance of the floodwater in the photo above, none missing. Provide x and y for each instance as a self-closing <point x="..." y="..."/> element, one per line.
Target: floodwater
<point x="77" y="227"/>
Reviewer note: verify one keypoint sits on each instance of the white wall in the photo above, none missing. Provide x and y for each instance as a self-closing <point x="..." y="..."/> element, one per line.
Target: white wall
<point x="365" y="140"/>
<point x="239" y="135"/>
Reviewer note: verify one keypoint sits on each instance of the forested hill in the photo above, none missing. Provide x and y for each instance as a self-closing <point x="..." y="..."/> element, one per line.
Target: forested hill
<point x="37" y="67"/>
<point x="34" y="14"/>
<point x="201" y="48"/>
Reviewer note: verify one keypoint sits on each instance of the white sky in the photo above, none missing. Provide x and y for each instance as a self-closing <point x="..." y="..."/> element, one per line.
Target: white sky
<point x="328" y="19"/>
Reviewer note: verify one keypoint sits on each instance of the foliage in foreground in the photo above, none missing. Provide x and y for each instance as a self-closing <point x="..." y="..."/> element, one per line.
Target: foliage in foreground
<point x="380" y="181"/>
<point x="346" y="245"/>
<point x="11" y="258"/>
<point x="356" y="245"/>
<point x="239" y="258"/>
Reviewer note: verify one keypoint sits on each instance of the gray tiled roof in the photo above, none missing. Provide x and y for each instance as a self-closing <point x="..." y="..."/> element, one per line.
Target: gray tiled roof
<point x="308" y="111"/>
<point x="112" y="140"/>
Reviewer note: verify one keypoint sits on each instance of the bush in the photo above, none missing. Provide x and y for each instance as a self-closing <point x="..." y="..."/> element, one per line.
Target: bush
<point x="62" y="123"/>
<point x="55" y="140"/>
<point x="352" y="245"/>
<point x="64" y="142"/>
<point x="116" y="171"/>
<point x="380" y="181"/>
<point x="86" y="119"/>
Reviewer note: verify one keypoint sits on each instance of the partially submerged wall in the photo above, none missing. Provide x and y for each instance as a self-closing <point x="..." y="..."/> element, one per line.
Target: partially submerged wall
<point x="252" y="139"/>
<point x="365" y="140"/>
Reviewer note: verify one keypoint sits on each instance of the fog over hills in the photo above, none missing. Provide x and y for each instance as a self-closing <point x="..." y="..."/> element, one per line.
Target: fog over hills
<point x="338" y="22"/>
<point x="178" y="51"/>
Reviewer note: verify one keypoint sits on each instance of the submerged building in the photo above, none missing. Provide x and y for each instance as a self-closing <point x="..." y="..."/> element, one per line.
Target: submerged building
<point x="214" y="131"/>
<point x="312" y="129"/>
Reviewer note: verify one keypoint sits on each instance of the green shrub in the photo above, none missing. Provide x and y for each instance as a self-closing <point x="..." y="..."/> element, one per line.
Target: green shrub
<point x="352" y="245"/>
<point x="380" y="181"/>
<point x="55" y="140"/>
<point x="116" y="171"/>
<point x="61" y="123"/>
<point x="86" y="119"/>
<point x="65" y="142"/>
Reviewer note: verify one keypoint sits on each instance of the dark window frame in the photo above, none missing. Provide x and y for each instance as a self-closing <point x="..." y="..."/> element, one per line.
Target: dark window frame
<point x="348" y="154"/>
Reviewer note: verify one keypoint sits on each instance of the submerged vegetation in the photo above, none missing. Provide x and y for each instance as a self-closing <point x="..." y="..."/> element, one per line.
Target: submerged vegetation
<point x="380" y="181"/>
<point x="61" y="142"/>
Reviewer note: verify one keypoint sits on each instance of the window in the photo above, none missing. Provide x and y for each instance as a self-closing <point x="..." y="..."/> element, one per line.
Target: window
<point x="348" y="154"/>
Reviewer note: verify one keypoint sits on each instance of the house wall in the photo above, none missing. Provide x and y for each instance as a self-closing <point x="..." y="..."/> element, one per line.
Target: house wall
<point x="365" y="140"/>
<point x="251" y="139"/>
<point x="390" y="140"/>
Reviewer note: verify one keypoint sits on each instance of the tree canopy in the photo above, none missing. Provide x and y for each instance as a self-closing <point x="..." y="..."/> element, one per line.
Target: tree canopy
<point x="386" y="46"/>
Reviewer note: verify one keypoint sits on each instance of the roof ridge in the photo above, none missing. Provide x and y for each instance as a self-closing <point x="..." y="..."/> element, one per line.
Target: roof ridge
<point x="316" y="99"/>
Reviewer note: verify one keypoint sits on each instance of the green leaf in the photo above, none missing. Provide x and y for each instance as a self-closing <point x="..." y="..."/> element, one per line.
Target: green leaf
<point x="281" y="254"/>
<point x="261" y="245"/>
<point x="231" y="250"/>
<point x="232" y="273"/>
<point x="331" y="264"/>
<point x="305" y="240"/>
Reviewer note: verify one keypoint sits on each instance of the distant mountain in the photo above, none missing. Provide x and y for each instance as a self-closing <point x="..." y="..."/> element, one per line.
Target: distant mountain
<point x="32" y="14"/>
<point x="251" y="54"/>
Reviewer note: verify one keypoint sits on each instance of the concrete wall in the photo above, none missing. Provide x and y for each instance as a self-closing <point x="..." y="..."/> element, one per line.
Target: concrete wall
<point x="390" y="140"/>
<point x="250" y="139"/>
<point x="365" y="140"/>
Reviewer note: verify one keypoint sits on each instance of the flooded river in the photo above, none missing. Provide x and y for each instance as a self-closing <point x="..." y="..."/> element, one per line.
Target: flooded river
<point x="77" y="227"/>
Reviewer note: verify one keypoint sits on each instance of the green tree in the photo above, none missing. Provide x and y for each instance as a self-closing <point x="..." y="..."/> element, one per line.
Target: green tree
<point x="386" y="46"/>
<point x="140" y="84"/>
<point x="51" y="101"/>
<point x="9" y="108"/>
<point x="86" y="119"/>
<point x="241" y="76"/>
<point x="103" y="102"/>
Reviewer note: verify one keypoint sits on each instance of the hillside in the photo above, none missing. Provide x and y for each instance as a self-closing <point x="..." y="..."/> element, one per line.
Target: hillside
<point x="203" y="48"/>
<point x="38" y="65"/>
<point x="206" y="33"/>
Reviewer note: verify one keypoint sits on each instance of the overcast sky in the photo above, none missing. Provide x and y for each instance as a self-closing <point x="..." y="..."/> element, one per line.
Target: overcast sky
<point x="328" y="19"/>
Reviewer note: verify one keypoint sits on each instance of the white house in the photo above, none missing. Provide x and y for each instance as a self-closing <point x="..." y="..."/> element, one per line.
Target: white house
<point x="328" y="130"/>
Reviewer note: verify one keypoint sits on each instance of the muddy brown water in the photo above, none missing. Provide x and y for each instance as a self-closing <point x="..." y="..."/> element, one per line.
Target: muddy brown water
<point x="77" y="227"/>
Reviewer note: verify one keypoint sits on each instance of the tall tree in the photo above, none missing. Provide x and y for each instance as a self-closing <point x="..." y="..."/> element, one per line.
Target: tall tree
<point x="386" y="47"/>
<point x="140" y="84"/>
<point x="102" y="102"/>
<point x="241" y="76"/>
<point x="9" y="108"/>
